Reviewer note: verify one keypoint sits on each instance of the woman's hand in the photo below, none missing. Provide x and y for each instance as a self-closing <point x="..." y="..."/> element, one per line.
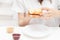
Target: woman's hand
<point x="51" y="13"/>
<point x="23" y="19"/>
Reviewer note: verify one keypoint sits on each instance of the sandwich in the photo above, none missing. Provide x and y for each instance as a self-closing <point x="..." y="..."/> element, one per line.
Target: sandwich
<point x="35" y="13"/>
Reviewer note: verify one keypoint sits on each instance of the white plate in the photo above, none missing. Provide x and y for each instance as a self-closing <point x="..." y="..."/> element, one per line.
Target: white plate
<point x="37" y="31"/>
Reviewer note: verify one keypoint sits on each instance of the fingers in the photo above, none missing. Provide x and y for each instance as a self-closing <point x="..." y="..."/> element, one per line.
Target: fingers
<point x="45" y="9"/>
<point x="20" y="15"/>
<point x="53" y="13"/>
<point x="24" y="14"/>
<point x="48" y="16"/>
<point x="48" y="9"/>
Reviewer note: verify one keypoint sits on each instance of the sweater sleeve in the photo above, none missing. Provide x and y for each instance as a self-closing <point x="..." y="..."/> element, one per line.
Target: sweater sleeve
<point x="21" y="6"/>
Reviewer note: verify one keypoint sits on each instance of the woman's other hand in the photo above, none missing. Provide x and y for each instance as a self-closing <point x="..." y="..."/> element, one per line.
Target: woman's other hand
<point x="51" y="13"/>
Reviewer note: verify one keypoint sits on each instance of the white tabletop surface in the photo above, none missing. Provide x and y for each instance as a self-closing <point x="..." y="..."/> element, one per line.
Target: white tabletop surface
<point x="6" y="36"/>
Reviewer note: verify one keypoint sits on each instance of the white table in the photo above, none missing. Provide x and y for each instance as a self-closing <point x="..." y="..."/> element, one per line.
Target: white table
<point x="6" y="36"/>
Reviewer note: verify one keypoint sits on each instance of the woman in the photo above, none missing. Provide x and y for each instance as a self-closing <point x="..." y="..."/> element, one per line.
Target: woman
<point x="49" y="5"/>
